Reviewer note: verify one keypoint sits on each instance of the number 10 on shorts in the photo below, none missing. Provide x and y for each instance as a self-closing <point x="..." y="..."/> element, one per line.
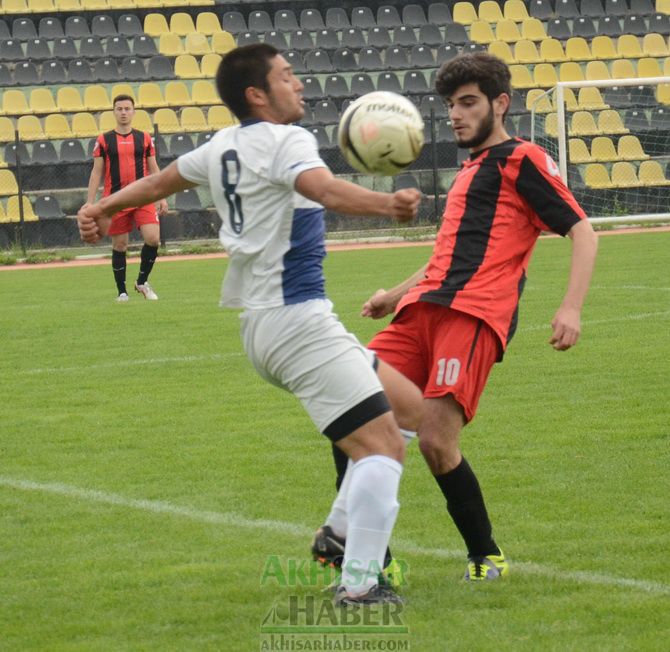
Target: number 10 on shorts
<point x="447" y="371"/>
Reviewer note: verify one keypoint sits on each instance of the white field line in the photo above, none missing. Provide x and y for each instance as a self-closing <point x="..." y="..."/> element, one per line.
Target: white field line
<point x="595" y="322"/>
<point x="305" y="532"/>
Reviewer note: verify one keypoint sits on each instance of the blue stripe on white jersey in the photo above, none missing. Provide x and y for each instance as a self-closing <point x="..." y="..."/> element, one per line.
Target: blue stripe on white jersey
<point x="302" y="278"/>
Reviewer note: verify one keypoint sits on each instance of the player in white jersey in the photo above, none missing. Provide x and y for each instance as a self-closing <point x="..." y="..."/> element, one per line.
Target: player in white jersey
<point x="270" y="188"/>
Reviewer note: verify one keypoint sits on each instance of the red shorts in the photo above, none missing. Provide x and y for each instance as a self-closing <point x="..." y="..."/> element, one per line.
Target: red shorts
<point x="442" y="351"/>
<point x="124" y="220"/>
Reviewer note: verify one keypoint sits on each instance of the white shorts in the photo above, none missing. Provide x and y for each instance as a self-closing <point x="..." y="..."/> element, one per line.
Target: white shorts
<point x="304" y="349"/>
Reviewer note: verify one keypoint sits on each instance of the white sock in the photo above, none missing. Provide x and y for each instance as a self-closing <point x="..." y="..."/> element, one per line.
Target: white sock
<point x="372" y="508"/>
<point x="337" y="519"/>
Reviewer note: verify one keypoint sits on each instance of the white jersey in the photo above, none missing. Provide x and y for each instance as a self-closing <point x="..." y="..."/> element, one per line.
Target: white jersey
<point x="273" y="235"/>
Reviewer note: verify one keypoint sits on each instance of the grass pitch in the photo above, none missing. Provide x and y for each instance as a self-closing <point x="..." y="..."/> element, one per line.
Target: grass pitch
<point x="147" y="475"/>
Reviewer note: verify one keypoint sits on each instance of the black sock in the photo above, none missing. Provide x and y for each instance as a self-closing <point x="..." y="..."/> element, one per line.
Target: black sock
<point x="341" y="462"/>
<point x="148" y="258"/>
<point x="466" y="507"/>
<point x="119" y="269"/>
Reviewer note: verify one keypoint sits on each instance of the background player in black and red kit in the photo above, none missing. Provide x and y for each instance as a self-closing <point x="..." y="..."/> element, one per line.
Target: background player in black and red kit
<point x="455" y="316"/>
<point x="122" y="156"/>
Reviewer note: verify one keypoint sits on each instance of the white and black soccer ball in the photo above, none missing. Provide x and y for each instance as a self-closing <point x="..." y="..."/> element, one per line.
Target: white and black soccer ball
<point x="380" y="133"/>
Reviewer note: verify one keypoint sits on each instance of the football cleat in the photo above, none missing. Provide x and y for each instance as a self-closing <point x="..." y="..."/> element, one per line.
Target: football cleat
<point x="490" y="567"/>
<point x="146" y="291"/>
<point x="122" y="298"/>
<point x="328" y="548"/>
<point x="378" y="594"/>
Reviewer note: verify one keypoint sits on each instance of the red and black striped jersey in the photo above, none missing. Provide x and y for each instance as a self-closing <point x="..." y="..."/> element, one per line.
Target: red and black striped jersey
<point x="499" y="203"/>
<point x="125" y="157"/>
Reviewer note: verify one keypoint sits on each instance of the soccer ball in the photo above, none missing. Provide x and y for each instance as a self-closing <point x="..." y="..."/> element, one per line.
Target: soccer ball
<point x="380" y="133"/>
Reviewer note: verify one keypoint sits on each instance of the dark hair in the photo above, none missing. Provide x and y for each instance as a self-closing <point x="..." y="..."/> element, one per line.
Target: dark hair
<point x="241" y="68"/>
<point x="123" y="98"/>
<point x="490" y="73"/>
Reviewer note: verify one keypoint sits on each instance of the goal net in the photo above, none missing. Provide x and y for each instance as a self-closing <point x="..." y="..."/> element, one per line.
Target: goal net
<point x="611" y="140"/>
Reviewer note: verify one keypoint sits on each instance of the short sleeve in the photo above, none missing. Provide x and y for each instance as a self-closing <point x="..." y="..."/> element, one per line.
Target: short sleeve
<point x="98" y="148"/>
<point x="194" y="166"/>
<point x="540" y="184"/>
<point x="297" y="152"/>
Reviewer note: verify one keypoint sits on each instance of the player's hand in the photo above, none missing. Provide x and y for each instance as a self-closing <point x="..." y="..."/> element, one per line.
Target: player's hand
<point x="566" y="328"/>
<point x="405" y="204"/>
<point x="92" y="223"/>
<point x="162" y="207"/>
<point x="378" y="305"/>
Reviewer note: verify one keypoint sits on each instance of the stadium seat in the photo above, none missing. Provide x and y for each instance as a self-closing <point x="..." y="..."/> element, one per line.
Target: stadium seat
<point x="77" y="27"/>
<point x="533" y="29"/>
<point x="544" y="76"/>
<point x="107" y="122"/>
<point x="421" y="56"/>
<point x="14" y="102"/>
<point x="233" y="22"/>
<point x="583" y="124"/>
<point x="129" y="25"/>
<point x="430" y="35"/>
<point x="311" y="20"/>
<point x="379" y="37"/>
<point x="186" y="67"/>
<point x="388" y="16"/>
<point x="649" y="67"/>
<point x="590" y="99"/>
<point x="603" y="150"/>
<point x="538" y="100"/>
<point x="397" y="58"/>
<point x="155" y="25"/>
<point x="370" y="59"/>
<point x="506" y="30"/>
<point x="584" y="26"/>
<point x="222" y="42"/>
<point x="72" y="151"/>
<point x="651" y="174"/>
<point x="489" y="11"/>
<point x="592" y="8"/>
<point x="596" y="70"/>
<point x="117" y="47"/>
<point x="26" y="74"/>
<point x="313" y="89"/>
<point x="91" y="47"/>
<point x="577" y="49"/>
<point x="361" y="83"/>
<point x="464" y="13"/>
<point x="259" y="22"/>
<point x="559" y="28"/>
<point x="325" y="112"/>
<point x="209" y="64"/>
<point x="96" y="98"/>
<point x="634" y="25"/>
<point x="106" y="69"/>
<point x="203" y="92"/>
<point x="413" y="15"/>
<point x="336" y="87"/>
<point x="481" y="32"/>
<point x="6" y="76"/>
<point x="551" y="51"/>
<point x="80" y="72"/>
<point x="170" y="45"/>
<point x="521" y="77"/>
<point x="624" y="175"/>
<point x="404" y="36"/>
<point x="623" y="69"/>
<point x="525" y="51"/>
<point x="597" y="176"/>
<point x="663" y="94"/>
<point x="54" y="72"/>
<point x="198" y="44"/>
<point x="187" y="200"/>
<point x="11" y="50"/>
<point x="433" y="103"/>
<point x="192" y="119"/>
<point x="344" y="60"/>
<point x="455" y="34"/>
<point x="219" y="117"/>
<point x="56" y="126"/>
<point x="388" y="81"/>
<point x="13" y="211"/>
<point x="296" y="61"/>
<point x="23" y="28"/>
<point x="50" y="28"/>
<point x="68" y="99"/>
<point x="628" y="46"/>
<point x="641" y="7"/>
<point x="44" y="152"/>
<point x="177" y="94"/>
<point x="181" y="24"/>
<point x="46" y="207"/>
<point x="445" y="53"/>
<point x="150" y="95"/>
<point x="578" y="152"/>
<point x="567" y="9"/>
<point x="30" y="128"/>
<point x="8" y="185"/>
<point x="660" y="23"/>
<point x="276" y="39"/>
<point x="570" y="71"/>
<point x="6" y="130"/>
<point x="84" y="125"/>
<point x="603" y="47"/>
<point x="181" y="144"/>
<point x="615" y="8"/>
<point x="609" y="122"/>
<point x="629" y="148"/>
<point x="103" y="25"/>
<point x="414" y="83"/>
<point x="142" y="121"/>
<point x="37" y="49"/>
<point x="160" y="67"/>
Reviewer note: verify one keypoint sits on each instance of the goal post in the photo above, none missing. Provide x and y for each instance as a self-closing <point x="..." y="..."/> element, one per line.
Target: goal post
<point x="611" y="141"/>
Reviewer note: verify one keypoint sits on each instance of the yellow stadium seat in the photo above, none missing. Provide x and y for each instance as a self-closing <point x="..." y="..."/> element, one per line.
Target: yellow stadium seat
<point x="490" y="11"/>
<point x="193" y="119"/>
<point x="15" y="7"/>
<point x="577" y="49"/>
<point x="142" y="121"/>
<point x="464" y="13"/>
<point x="186" y="67"/>
<point x="219" y="117"/>
<point x="3" y="216"/>
<point x="96" y="98"/>
<point x="590" y="99"/>
<point x="177" y="94"/>
<point x="628" y="47"/>
<point x="551" y="125"/>
<point x="122" y="4"/>
<point x="203" y="92"/>
<point x="551" y="51"/>
<point x="525" y="51"/>
<point x="666" y="67"/>
<point x="197" y="44"/>
<point x="69" y="99"/>
<point x="654" y="45"/>
<point x="174" y="3"/>
<point x="8" y="185"/>
<point x="155" y="25"/>
<point x="57" y="126"/>
<point x="544" y="75"/>
<point x="597" y="176"/>
<point x="506" y="30"/>
<point x="94" y="5"/>
<point x="609" y="122"/>
<point x="13" y="211"/>
<point x="84" y="125"/>
<point x="533" y="29"/>
<point x="663" y="6"/>
<point x="623" y="69"/>
<point x="578" y="152"/>
<point x="181" y="23"/>
<point x="210" y="64"/>
<point x="663" y="93"/>
<point x="624" y="175"/>
<point x="14" y="102"/>
<point x="502" y="50"/>
<point x="649" y="67"/>
<point x="569" y="100"/>
<point x="538" y="100"/>
<point x="42" y="101"/>
<point x="570" y="71"/>
<point x="597" y="71"/>
<point x="602" y="149"/>
<point x="583" y="124"/>
<point x="122" y="89"/>
<point x="651" y="174"/>
<point x="521" y="77"/>
<point x="629" y="148"/>
<point x="106" y="121"/>
<point x="171" y="45"/>
<point x="515" y="10"/>
<point x="207" y="23"/>
<point x="481" y="32"/>
<point x="222" y="42"/>
<point x="67" y="5"/>
<point x="167" y="121"/>
<point x="6" y="130"/>
<point x="41" y="6"/>
<point x="150" y="95"/>
<point x="603" y="48"/>
<point x="30" y="128"/>
<point x="148" y="4"/>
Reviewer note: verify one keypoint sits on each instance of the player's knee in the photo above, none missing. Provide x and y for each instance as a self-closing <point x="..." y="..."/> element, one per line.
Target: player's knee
<point x="440" y="454"/>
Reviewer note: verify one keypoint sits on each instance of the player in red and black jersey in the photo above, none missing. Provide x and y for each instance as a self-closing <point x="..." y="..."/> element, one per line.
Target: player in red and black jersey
<point x="123" y="156"/>
<point x="456" y="315"/>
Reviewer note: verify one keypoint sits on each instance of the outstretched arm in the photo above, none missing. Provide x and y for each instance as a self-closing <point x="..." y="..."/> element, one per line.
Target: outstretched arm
<point x="152" y="167"/>
<point x="383" y="302"/>
<point x="566" y="324"/>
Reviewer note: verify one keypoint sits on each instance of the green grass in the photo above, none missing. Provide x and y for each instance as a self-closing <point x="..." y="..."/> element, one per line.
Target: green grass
<point x="155" y="402"/>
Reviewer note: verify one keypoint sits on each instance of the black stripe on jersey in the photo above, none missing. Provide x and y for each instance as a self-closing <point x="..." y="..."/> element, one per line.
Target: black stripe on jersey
<point x="138" y="144"/>
<point x="543" y="198"/>
<point x="113" y="160"/>
<point x="515" y="317"/>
